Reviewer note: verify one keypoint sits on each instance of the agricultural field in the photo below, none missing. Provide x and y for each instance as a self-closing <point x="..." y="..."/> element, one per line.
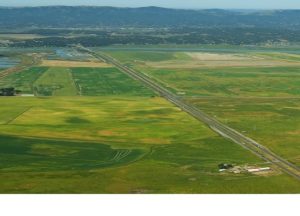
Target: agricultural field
<point x="211" y="74"/>
<point x="142" y="56"/>
<point x="275" y="122"/>
<point x="256" y="93"/>
<point x="72" y="81"/>
<point x="72" y="64"/>
<point x="106" y="81"/>
<point x="92" y="129"/>
<point x="230" y="81"/>
<point x="55" y="82"/>
<point x="97" y="145"/>
<point x="23" y="80"/>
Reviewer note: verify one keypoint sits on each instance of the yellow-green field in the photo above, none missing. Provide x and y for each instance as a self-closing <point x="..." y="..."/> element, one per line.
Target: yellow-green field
<point x="119" y="145"/>
<point x="275" y="122"/>
<point x="132" y="121"/>
<point x="215" y="74"/>
<point x="256" y="93"/>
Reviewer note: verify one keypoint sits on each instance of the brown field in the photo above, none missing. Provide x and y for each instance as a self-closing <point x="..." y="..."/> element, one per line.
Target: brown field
<point x="202" y="56"/>
<point x="59" y="63"/>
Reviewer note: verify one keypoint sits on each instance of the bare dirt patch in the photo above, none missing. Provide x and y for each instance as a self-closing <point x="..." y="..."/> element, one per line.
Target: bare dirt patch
<point x="218" y="57"/>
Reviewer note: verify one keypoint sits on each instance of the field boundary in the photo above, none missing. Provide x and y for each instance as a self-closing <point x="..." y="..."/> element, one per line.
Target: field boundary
<point x="17" y="116"/>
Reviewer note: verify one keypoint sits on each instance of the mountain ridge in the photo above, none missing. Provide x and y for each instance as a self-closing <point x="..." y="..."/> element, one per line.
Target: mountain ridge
<point x="148" y="17"/>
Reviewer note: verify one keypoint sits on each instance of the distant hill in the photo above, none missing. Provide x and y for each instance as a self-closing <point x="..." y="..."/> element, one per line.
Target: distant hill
<point x="79" y="17"/>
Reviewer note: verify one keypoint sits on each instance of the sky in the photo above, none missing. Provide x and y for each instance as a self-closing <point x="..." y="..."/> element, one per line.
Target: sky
<point x="191" y="4"/>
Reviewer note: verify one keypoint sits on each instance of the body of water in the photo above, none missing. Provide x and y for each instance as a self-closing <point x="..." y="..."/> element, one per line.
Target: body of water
<point x="6" y="62"/>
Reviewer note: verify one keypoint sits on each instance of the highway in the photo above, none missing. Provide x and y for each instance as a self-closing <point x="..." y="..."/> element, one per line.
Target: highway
<point x="220" y="128"/>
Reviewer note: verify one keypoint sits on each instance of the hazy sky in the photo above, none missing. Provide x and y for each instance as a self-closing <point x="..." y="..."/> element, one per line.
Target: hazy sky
<point x="240" y="4"/>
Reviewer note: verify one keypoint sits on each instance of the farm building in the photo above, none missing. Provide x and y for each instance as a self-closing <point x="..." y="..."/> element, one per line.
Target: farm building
<point x="259" y="169"/>
<point x="225" y="166"/>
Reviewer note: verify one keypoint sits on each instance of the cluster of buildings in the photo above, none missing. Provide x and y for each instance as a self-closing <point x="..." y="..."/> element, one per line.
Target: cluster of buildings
<point x="242" y="169"/>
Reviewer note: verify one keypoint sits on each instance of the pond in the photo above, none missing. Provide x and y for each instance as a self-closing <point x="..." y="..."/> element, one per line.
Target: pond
<point x="6" y="62"/>
<point x="68" y="54"/>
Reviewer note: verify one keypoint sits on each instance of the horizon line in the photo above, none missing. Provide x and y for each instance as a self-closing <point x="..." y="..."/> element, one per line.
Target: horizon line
<point x="178" y="8"/>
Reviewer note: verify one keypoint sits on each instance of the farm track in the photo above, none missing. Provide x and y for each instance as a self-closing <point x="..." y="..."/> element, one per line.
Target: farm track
<point x="214" y="124"/>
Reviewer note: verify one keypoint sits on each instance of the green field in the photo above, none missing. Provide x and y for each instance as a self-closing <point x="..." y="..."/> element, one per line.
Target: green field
<point x="54" y="81"/>
<point x="42" y="155"/>
<point x="261" y="100"/>
<point x="134" y="56"/>
<point x="275" y="122"/>
<point x="118" y="145"/>
<point x="23" y="80"/>
<point x="230" y="81"/>
<point x="95" y="130"/>
<point x="106" y="81"/>
<point x="220" y="74"/>
<point x="132" y="121"/>
<point x="281" y="56"/>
